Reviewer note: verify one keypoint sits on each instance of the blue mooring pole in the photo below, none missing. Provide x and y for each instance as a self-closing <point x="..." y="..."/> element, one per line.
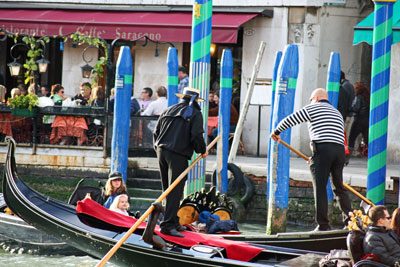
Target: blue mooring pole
<point x="224" y="119"/>
<point x="273" y="91"/>
<point x="123" y="93"/>
<point x="278" y="196"/>
<point x="172" y="65"/>
<point x="332" y="88"/>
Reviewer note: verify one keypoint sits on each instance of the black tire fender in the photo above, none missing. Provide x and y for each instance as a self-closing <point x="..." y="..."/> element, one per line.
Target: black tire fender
<point x="236" y="183"/>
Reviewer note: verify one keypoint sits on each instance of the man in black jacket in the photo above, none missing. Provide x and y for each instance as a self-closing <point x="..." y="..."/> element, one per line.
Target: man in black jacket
<point x="179" y="132"/>
<point x="380" y="240"/>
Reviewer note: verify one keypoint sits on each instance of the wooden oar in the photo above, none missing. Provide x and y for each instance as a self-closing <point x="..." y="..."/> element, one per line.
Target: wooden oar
<point x="347" y="186"/>
<point x="114" y="249"/>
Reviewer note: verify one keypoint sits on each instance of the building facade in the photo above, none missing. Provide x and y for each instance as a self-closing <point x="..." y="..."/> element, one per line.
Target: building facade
<point x="318" y="27"/>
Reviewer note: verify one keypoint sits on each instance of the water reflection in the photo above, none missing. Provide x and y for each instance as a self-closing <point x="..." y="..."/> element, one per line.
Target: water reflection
<point x="26" y="260"/>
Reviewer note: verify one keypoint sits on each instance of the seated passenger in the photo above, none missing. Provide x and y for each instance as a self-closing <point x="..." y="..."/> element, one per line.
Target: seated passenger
<point x="121" y="204"/>
<point x="214" y="112"/>
<point x="83" y="97"/>
<point x="114" y="187"/>
<point x="158" y="106"/>
<point x="380" y="239"/>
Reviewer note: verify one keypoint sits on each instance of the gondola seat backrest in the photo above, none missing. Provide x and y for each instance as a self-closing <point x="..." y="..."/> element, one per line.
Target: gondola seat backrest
<point x="83" y="188"/>
<point x="355" y="247"/>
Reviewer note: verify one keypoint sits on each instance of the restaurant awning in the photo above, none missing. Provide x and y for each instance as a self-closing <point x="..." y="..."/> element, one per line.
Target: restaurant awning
<point x="363" y="30"/>
<point x="129" y="25"/>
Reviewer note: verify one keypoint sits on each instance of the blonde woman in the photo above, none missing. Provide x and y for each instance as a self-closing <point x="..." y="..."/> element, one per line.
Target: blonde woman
<point x="114" y="187"/>
<point x="32" y="89"/>
<point x="15" y="92"/>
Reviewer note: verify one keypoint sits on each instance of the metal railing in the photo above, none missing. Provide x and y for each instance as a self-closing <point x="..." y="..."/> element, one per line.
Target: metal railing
<point x="90" y="123"/>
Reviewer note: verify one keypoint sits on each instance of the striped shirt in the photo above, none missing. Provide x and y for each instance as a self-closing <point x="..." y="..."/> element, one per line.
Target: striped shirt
<point x="325" y="123"/>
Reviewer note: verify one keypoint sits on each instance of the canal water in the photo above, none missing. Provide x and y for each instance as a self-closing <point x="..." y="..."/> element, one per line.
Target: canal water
<point x="14" y="259"/>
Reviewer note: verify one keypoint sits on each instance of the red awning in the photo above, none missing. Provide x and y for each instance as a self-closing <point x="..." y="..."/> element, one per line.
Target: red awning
<point x="160" y="26"/>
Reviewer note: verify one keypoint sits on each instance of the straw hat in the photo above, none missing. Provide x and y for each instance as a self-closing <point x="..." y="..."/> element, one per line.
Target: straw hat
<point x="114" y="176"/>
<point x="188" y="92"/>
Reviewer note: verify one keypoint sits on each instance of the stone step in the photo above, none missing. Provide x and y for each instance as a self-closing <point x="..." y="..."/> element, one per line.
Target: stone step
<point x="140" y="204"/>
<point x="143" y="173"/>
<point x="144" y="193"/>
<point x="144" y="183"/>
<point x="150" y="174"/>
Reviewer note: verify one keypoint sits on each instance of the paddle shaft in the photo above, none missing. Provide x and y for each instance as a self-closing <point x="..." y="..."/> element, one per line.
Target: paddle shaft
<point x="114" y="249"/>
<point x="347" y="186"/>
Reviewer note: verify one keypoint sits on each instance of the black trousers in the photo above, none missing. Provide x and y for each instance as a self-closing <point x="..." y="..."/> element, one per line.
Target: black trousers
<point x="328" y="159"/>
<point x="359" y="126"/>
<point x="171" y="166"/>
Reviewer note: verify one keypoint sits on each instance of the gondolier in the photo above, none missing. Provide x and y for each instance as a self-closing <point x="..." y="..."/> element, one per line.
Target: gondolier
<point x="179" y="132"/>
<point x="326" y="129"/>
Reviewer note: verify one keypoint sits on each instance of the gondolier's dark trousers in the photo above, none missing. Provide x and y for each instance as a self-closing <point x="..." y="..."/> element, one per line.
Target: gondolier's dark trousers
<point x="171" y="166"/>
<point x="328" y="159"/>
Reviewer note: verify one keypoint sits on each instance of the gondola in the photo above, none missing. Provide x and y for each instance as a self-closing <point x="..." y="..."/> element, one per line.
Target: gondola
<point x="61" y="221"/>
<point x="315" y="241"/>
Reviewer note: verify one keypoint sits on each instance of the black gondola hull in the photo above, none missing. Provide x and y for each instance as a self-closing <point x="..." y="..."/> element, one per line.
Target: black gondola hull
<point x="61" y="221"/>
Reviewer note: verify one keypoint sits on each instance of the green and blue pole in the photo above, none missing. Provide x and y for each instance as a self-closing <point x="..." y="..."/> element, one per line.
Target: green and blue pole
<point x="278" y="57"/>
<point x="379" y="105"/>
<point x="172" y="65"/>
<point x="332" y="88"/>
<point x="123" y="93"/>
<point x="224" y="119"/>
<point x="278" y="195"/>
<point x="200" y="76"/>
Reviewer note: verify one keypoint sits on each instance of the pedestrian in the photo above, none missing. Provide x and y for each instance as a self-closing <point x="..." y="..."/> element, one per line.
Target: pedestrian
<point x="360" y="112"/>
<point x="326" y="128"/>
<point x="183" y="79"/>
<point x="346" y="97"/>
<point x="179" y="132"/>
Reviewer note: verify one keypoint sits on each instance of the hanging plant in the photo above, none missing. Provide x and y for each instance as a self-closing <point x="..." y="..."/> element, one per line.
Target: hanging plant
<point x="34" y="51"/>
<point x="78" y="39"/>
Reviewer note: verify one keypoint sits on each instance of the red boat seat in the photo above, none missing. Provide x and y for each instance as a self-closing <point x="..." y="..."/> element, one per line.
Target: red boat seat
<point x="235" y="250"/>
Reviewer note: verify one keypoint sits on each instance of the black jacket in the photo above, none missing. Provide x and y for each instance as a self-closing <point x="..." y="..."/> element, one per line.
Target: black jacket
<point x="179" y="135"/>
<point x="383" y="243"/>
<point x="360" y="108"/>
<point x="346" y="97"/>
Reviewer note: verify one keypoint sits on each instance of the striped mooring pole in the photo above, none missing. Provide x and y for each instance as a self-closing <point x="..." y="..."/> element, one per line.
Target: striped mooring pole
<point x="332" y="87"/>
<point x="278" y="57"/>
<point x="122" y="114"/>
<point x="172" y="66"/>
<point x="199" y="77"/>
<point x="379" y="105"/>
<point x="224" y="119"/>
<point x="278" y="195"/>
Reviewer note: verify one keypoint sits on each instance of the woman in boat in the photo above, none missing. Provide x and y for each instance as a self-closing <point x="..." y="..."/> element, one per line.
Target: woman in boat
<point x="120" y="204"/>
<point x="114" y="187"/>
<point x="395" y="224"/>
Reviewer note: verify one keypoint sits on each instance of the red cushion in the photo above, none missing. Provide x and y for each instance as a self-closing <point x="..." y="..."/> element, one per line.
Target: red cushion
<point x="234" y="249"/>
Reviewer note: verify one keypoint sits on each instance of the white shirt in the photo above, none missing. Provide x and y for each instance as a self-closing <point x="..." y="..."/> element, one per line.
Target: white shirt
<point x="156" y="107"/>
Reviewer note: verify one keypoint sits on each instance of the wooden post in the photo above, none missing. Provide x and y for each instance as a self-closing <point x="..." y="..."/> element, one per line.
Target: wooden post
<point x="246" y="104"/>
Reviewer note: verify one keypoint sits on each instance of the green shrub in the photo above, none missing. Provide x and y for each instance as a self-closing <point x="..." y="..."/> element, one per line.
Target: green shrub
<point x="28" y="101"/>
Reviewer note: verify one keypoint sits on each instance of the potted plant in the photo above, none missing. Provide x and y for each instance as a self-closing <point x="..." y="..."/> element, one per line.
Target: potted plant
<point x="24" y="105"/>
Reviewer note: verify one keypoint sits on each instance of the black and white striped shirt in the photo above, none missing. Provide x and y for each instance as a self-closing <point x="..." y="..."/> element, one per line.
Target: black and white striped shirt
<point x="325" y="123"/>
